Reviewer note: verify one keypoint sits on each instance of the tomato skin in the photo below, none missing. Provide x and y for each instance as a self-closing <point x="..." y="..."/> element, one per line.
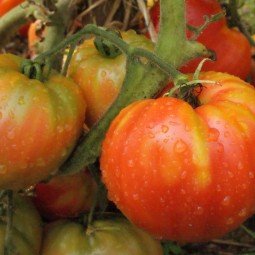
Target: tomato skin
<point x="103" y="237"/>
<point x="101" y="78"/>
<point x="39" y="124"/>
<point x="65" y="196"/>
<point x="190" y="169"/>
<point x="27" y="228"/>
<point x="231" y="46"/>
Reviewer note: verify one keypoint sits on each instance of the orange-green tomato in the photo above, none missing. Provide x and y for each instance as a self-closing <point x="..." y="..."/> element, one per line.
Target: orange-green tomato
<point x="182" y="173"/>
<point x="103" y="237"/>
<point x="65" y="196"/>
<point x="26" y="234"/>
<point x="101" y="78"/>
<point x="40" y="123"/>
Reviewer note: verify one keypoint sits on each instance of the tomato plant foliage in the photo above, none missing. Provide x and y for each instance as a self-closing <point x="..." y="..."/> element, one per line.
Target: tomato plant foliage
<point x="229" y="44"/>
<point x="185" y="174"/>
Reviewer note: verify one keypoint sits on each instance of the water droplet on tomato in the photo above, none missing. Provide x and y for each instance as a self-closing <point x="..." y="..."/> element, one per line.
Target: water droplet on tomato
<point x="60" y="129"/>
<point x="183" y="175"/>
<point x="240" y="165"/>
<point x="180" y="146"/>
<point x="251" y="175"/>
<point x="3" y="169"/>
<point x="220" y="148"/>
<point x="164" y="129"/>
<point x="199" y="210"/>
<point x="21" y="100"/>
<point x="130" y="163"/>
<point x="40" y="162"/>
<point x="151" y="135"/>
<point x="135" y="196"/>
<point x="11" y="134"/>
<point x="226" y="201"/>
<point x="242" y="212"/>
<point x="213" y="134"/>
<point x="230" y="221"/>
<point x="227" y="134"/>
<point x="230" y="174"/>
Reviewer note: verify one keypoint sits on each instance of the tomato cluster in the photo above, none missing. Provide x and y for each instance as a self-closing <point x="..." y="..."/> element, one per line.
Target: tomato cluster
<point x="232" y="48"/>
<point x="177" y="171"/>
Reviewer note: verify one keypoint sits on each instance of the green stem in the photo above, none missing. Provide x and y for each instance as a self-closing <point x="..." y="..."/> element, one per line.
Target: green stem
<point x="173" y="45"/>
<point x="55" y="33"/>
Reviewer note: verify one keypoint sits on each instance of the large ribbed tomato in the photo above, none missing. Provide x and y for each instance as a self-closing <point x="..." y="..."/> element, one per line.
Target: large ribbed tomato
<point x="101" y="78"/>
<point x="230" y="45"/>
<point x="40" y="123"/>
<point x="183" y="173"/>
<point x="103" y="237"/>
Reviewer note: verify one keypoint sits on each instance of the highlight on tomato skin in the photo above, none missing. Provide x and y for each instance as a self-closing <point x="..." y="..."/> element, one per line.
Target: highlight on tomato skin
<point x="180" y="173"/>
<point x="232" y="48"/>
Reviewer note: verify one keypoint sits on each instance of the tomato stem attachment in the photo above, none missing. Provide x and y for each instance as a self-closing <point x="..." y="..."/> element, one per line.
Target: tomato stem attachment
<point x="144" y="79"/>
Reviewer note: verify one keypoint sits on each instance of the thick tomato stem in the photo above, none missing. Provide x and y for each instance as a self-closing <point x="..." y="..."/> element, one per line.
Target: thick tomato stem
<point x="143" y="80"/>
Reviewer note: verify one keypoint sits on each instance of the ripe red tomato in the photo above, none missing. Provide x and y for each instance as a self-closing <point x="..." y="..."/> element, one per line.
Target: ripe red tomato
<point x="180" y="173"/>
<point x="65" y="196"/>
<point x="27" y="228"/>
<point x="40" y="123"/>
<point x="230" y="45"/>
<point x="101" y="78"/>
<point x="116" y="236"/>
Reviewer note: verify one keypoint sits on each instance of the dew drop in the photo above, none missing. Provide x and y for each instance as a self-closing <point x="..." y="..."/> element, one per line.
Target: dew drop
<point x="220" y="148"/>
<point x="3" y="169"/>
<point x="130" y="163"/>
<point x="230" y="174"/>
<point x="199" y="210"/>
<point x="230" y="221"/>
<point x="151" y="135"/>
<point x="214" y="134"/>
<point x="227" y="134"/>
<point x="165" y="140"/>
<point x="180" y="146"/>
<point x="21" y="100"/>
<point x="40" y="162"/>
<point x="226" y="201"/>
<point x="240" y="165"/>
<point x="164" y="129"/>
<point x="135" y="196"/>
<point x="11" y="134"/>
<point x="251" y="175"/>
<point x="183" y="175"/>
<point x="243" y="212"/>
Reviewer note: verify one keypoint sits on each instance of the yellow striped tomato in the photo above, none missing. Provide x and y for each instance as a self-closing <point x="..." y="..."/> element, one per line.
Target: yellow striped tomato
<point x="182" y="173"/>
